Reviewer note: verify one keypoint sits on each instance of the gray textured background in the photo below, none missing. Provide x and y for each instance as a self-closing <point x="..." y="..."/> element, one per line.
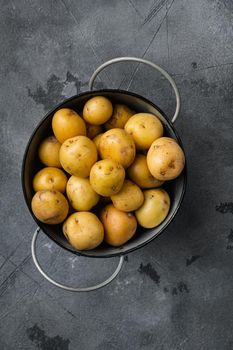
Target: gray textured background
<point x="176" y="293"/>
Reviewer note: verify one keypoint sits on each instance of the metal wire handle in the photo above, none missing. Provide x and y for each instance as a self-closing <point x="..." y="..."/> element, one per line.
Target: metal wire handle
<point x="63" y="286"/>
<point x="140" y="60"/>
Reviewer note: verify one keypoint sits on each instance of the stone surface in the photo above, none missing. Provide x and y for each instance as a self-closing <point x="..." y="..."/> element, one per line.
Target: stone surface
<point x="176" y="293"/>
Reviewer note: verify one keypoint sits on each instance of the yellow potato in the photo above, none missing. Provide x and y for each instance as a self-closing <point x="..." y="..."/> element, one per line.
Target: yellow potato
<point x="96" y="140"/>
<point x="50" y="178"/>
<point x="97" y="110"/>
<point x="83" y="230"/>
<point x="107" y="177"/>
<point x="80" y="194"/>
<point x="121" y="114"/>
<point x="154" y="209"/>
<point x="77" y="155"/>
<point x="139" y="173"/>
<point x="66" y="123"/>
<point x="144" y="128"/>
<point x="119" y="226"/>
<point x="129" y="198"/>
<point x="93" y="130"/>
<point x="50" y="207"/>
<point x="49" y="152"/>
<point x="117" y="145"/>
<point x="165" y="159"/>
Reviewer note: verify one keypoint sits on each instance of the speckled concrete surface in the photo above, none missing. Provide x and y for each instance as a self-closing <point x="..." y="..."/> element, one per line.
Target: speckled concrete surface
<point x="177" y="292"/>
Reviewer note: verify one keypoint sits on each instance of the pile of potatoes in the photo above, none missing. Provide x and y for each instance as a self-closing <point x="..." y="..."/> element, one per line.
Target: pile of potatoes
<point x="104" y="169"/>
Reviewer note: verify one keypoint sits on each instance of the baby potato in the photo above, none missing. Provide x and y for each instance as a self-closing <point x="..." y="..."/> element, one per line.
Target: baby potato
<point x="97" y="110"/>
<point x="154" y="209"/>
<point x="66" y="123"/>
<point x="50" y="178"/>
<point x="119" y="226"/>
<point x="139" y="173"/>
<point x="165" y="159"/>
<point x="117" y="145"/>
<point x="83" y="230"/>
<point x="77" y="155"/>
<point x="129" y="198"/>
<point x="49" y="152"/>
<point x="96" y="141"/>
<point x="144" y="128"/>
<point x="107" y="177"/>
<point x="121" y="114"/>
<point x="93" y="130"/>
<point x="80" y="194"/>
<point x="50" y="207"/>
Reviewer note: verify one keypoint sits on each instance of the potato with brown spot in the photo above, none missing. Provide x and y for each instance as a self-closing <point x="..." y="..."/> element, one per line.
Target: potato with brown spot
<point x="50" y="207"/>
<point x="107" y="177"/>
<point x="49" y="152"/>
<point x="97" y="110"/>
<point x="83" y="230"/>
<point x="119" y="227"/>
<point x="66" y="123"/>
<point x="129" y="198"/>
<point x="93" y="130"/>
<point x="50" y="178"/>
<point x="80" y="194"/>
<point x="121" y="114"/>
<point x="154" y="209"/>
<point x="165" y="159"/>
<point x="116" y="144"/>
<point x="144" y="128"/>
<point x="139" y="173"/>
<point x="77" y="155"/>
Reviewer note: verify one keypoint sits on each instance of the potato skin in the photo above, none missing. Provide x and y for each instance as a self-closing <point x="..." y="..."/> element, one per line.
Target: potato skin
<point x="121" y="114"/>
<point x="144" y="129"/>
<point x="165" y="159"/>
<point x="77" y="155"/>
<point x="66" y="123"/>
<point x="139" y="173"/>
<point x="119" y="226"/>
<point x="107" y="177"/>
<point x="50" y="207"/>
<point x="117" y="145"/>
<point x="154" y="209"/>
<point x="48" y="152"/>
<point x="81" y="195"/>
<point x="97" y="110"/>
<point x="93" y="130"/>
<point x="129" y="198"/>
<point x="50" y="178"/>
<point x="83" y="230"/>
<point x="96" y="141"/>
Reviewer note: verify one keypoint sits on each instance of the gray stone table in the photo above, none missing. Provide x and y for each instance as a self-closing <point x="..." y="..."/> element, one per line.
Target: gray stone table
<point x="177" y="292"/>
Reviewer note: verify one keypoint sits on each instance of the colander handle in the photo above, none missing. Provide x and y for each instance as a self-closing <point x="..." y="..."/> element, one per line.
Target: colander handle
<point x="140" y="60"/>
<point x="63" y="286"/>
